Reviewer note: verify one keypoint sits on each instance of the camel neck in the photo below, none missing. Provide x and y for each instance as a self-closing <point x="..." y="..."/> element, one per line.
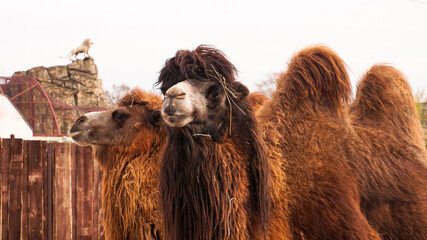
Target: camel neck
<point x="202" y="189"/>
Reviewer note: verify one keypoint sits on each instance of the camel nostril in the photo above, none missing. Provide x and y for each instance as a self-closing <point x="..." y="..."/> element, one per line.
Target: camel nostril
<point x="169" y="110"/>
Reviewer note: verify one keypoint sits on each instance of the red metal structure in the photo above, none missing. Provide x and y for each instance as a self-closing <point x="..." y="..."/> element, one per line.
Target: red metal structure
<point x="43" y="112"/>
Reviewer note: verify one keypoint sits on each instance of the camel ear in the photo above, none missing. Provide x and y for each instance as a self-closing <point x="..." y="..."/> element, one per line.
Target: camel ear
<point x="156" y="118"/>
<point x="240" y="90"/>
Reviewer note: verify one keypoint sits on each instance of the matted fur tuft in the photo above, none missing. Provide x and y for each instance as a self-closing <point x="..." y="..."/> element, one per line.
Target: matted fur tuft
<point x="316" y="74"/>
<point x="151" y="101"/>
<point x="195" y="64"/>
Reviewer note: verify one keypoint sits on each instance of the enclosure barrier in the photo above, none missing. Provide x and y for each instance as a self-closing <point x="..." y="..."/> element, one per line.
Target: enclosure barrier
<point x="49" y="191"/>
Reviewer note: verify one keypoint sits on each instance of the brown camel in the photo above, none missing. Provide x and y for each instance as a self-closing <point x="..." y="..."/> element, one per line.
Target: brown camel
<point x="214" y="179"/>
<point x="392" y="165"/>
<point x="213" y="172"/>
<point x="313" y="188"/>
<point x="127" y="143"/>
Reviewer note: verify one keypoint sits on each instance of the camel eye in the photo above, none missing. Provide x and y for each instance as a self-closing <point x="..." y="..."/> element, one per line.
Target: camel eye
<point x="119" y="116"/>
<point x="213" y="92"/>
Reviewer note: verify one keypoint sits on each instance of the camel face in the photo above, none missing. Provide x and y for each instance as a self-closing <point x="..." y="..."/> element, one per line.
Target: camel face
<point x="202" y="106"/>
<point x="137" y="114"/>
<point x="201" y="92"/>
<point x="184" y="103"/>
<point x="114" y="127"/>
<point x="99" y="127"/>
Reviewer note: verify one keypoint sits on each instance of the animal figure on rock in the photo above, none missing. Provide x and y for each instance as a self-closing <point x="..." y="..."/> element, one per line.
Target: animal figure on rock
<point x="213" y="173"/>
<point x="83" y="48"/>
<point x="392" y="164"/>
<point x="127" y="143"/>
<point x="215" y="181"/>
<point x="315" y="194"/>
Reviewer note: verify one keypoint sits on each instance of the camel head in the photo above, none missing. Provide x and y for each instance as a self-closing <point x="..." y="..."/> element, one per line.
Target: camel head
<point x="138" y="113"/>
<point x="200" y="91"/>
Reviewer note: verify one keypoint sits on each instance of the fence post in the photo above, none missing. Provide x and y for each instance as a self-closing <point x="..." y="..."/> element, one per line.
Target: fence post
<point x="5" y="157"/>
<point x="15" y="187"/>
<point x="24" y="193"/>
<point x="62" y="213"/>
<point x="36" y="155"/>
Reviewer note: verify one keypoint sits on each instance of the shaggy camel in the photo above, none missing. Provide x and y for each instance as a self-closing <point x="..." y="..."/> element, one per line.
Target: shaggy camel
<point x="314" y="191"/>
<point x="83" y="48"/>
<point x="213" y="172"/>
<point x="127" y="143"/>
<point x="391" y="155"/>
<point x="214" y="176"/>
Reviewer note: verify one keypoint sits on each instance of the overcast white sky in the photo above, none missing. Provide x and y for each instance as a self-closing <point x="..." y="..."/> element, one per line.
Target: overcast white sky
<point x="132" y="39"/>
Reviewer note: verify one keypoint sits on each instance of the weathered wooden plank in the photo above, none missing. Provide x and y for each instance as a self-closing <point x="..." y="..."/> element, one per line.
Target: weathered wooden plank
<point x="15" y="187"/>
<point x="5" y="158"/>
<point x="49" y="174"/>
<point x="24" y="192"/>
<point x="62" y="192"/>
<point x="84" y="166"/>
<point x="95" y="199"/>
<point x="43" y="160"/>
<point x="48" y="192"/>
<point x="35" y="189"/>
<point x="74" y="190"/>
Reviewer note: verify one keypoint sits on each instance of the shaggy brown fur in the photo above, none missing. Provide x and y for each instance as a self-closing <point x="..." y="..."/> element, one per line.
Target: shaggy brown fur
<point x="127" y="143"/>
<point x="216" y="186"/>
<point x="384" y="99"/>
<point x="305" y="127"/>
<point x="391" y="164"/>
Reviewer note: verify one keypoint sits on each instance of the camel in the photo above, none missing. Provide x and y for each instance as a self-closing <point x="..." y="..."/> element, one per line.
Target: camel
<point x="213" y="173"/>
<point x="127" y="143"/>
<point x="215" y="179"/>
<point x="392" y="165"/>
<point x="313" y="187"/>
<point x="380" y="138"/>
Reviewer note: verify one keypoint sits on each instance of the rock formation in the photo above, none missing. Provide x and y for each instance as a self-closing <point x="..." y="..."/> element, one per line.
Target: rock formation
<point x="76" y="84"/>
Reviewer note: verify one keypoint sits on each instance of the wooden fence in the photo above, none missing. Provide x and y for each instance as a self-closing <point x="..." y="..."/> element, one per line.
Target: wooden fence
<point x="49" y="191"/>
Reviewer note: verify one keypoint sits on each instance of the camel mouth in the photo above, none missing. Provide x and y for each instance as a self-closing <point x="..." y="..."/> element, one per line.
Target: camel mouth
<point x="78" y="137"/>
<point x="74" y="133"/>
<point x="177" y="120"/>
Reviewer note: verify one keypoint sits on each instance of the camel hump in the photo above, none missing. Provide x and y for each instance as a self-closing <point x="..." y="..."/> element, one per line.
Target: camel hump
<point x="384" y="89"/>
<point x="318" y="74"/>
<point x="384" y="100"/>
